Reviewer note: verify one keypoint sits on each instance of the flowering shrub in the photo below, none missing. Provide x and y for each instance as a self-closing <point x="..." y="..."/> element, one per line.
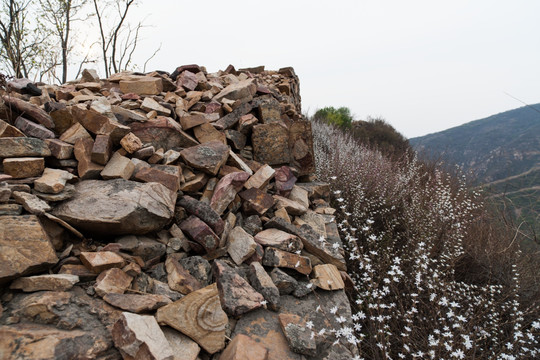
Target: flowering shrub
<point x="433" y="279"/>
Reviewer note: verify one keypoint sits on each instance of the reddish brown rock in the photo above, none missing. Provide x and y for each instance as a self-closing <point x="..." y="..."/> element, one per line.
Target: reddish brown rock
<point x="226" y="190"/>
<point x="99" y="124"/>
<point x="79" y="270"/>
<point x="313" y="242"/>
<point x="301" y="147"/>
<point x="237" y="297"/>
<point x="101" y="260"/>
<point x="25" y="167"/>
<point x="327" y="277"/>
<point x="63" y="119"/>
<point x="271" y="143"/>
<point x="26" y="248"/>
<point x="292" y="207"/>
<point x="240" y="90"/>
<point x="52" y="181"/>
<point x="231" y="119"/>
<point x="31" y="202"/>
<point x="199" y="231"/>
<point x="60" y="149"/>
<point x="112" y="281"/>
<point x="179" y="278"/>
<point x="118" y="207"/>
<point x="83" y="153"/>
<point x="242" y="347"/>
<point x="162" y="132"/>
<point x="208" y="157"/>
<point x="285" y="181"/>
<point x="187" y="80"/>
<point x="118" y="167"/>
<point x="142" y="86"/>
<point x="269" y="111"/>
<point x="204" y="212"/>
<point x="241" y="245"/>
<point x="199" y="316"/>
<point x="190" y="121"/>
<point x="32" y="129"/>
<point x="261" y="178"/>
<point x="7" y="130"/>
<point x="262" y="282"/>
<point x="207" y="133"/>
<point x="140" y="337"/>
<point x="279" y="239"/>
<point x="131" y="143"/>
<point x="30" y="110"/>
<point x="263" y="326"/>
<point x="280" y="258"/>
<point x="11" y="147"/>
<point x="75" y="132"/>
<point x="137" y="303"/>
<point x="102" y="149"/>
<point x="170" y="181"/>
<point x="256" y="201"/>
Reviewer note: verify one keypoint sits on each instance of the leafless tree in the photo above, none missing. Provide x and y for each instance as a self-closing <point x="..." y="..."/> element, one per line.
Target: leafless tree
<point x="119" y="38"/>
<point x="21" y="45"/>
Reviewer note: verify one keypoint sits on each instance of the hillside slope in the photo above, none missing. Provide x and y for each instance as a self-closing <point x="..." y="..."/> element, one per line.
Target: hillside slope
<point x="502" y="153"/>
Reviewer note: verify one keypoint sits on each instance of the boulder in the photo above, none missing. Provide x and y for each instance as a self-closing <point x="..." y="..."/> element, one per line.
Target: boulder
<point x="118" y="207"/>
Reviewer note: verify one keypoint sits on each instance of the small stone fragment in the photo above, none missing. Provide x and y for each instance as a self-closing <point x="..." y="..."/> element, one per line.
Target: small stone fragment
<point x="142" y="86"/>
<point x="52" y="181"/>
<point x="327" y="277"/>
<point x="75" y="132"/>
<point x="208" y="157"/>
<point x="226" y="190"/>
<point x="204" y="212"/>
<point x="261" y="178"/>
<point x="118" y="167"/>
<point x="24" y="167"/>
<point x="83" y="153"/>
<point x="101" y="260"/>
<point x="60" y="149"/>
<point x="131" y="143"/>
<point x="112" y="281"/>
<point x="262" y="282"/>
<point x="137" y="303"/>
<point x="140" y="337"/>
<point x="183" y="347"/>
<point x="241" y="245"/>
<point x="150" y="104"/>
<point x="235" y="294"/>
<point x="279" y="258"/>
<point x="22" y="147"/>
<point x="256" y="201"/>
<point x="179" y="278"/>
<point x="199" y="231"/>
<point x="31" y="203"/>
<point x="198" y="315"/>
<point x="292" y="207"/>
<point x="285" y="180"/>
<point x="279" y="239"/>
<point x="285" y="283"/>
<point x="102" y="149"/>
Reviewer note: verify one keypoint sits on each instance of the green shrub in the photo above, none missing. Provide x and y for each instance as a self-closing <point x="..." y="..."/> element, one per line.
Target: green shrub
<point x="341" y="117"/>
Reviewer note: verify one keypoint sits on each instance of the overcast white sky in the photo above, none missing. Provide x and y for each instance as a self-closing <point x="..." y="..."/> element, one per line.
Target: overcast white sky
<point x="423" y="65"/>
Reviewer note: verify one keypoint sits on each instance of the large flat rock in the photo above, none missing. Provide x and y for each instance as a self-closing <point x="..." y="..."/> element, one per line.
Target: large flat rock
<point x="24" y="247"/>
<point x="118" y="207"/>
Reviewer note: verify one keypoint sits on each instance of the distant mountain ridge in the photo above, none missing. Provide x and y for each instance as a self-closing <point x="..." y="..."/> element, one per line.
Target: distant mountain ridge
<point x="502" y="152"/>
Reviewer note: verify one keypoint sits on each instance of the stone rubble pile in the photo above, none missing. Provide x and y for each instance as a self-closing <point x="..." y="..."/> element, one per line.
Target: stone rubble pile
<point x="166" y="216"/>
